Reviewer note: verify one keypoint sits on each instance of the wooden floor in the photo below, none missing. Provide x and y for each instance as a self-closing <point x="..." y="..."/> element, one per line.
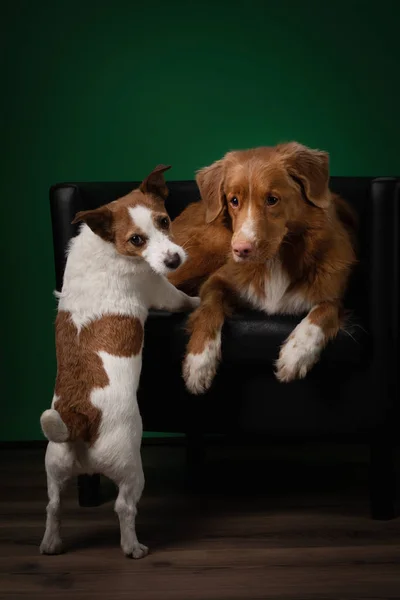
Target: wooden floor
<point x="287" y="523"/>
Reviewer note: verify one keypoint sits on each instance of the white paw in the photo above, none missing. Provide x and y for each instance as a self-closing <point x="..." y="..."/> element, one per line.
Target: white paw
<point x="194" y="302"/>
<point x="138" y="551"/>
<point x="300" y="352"/>
<point x="188" y="303"/>
<point x="51" y="545"/>
<point x="199" y="369"/>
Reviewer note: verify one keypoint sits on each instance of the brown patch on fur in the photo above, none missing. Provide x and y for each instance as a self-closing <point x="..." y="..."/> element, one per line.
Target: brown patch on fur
<point x="80" y="368"/>
<point x="206" y="321"/>
<point x="113" y="222"/>
<point x="310" y="168"/>
<point x="318" y="258"/>
<point x="207" y="246"/>
<point x="210" y="181"/>
<point x="327" y="316"/>
<point x="155" y="182"/>
<point x="248" y="275"/>
<point x="100" y="221"/>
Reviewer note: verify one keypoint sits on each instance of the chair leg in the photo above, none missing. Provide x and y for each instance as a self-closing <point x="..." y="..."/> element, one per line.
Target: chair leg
<point x="382" y="480"/>
<point x="195" y="459"/>
<point x="89" y="490"/>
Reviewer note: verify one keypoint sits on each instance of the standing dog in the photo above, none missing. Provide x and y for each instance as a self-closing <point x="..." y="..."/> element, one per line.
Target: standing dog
<point x="269" y="234"/>
<point x="114" y="273"/>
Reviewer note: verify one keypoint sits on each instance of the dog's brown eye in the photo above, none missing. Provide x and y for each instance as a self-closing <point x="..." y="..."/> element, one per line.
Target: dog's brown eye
<point x="234" y="201"/>
<point x="137" y="240"/>
<point x="272" y="200"/>
<point x="164" y="222"/>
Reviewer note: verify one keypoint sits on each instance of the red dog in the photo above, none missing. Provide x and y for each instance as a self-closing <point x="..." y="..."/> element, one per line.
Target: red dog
<point x="270" y="234"/>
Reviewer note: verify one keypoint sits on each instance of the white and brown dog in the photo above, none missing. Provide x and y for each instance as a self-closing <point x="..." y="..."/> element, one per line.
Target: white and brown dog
<point x="115" y="272"/>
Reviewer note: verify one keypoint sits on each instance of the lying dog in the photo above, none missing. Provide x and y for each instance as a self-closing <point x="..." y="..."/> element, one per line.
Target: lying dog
<point x="270" y="234"/>
<point x="114" y="273"/>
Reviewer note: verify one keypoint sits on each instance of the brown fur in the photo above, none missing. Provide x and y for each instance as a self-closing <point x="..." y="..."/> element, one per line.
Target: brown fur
<point x="207" y="246"/>
<point x="294" y="220"/>
<point x="217" y="297"/>
<point x="80" y="369"/>
<point x="113" y="223"/>
<point x="310" y="230"/>
<point x="326" y="316"/>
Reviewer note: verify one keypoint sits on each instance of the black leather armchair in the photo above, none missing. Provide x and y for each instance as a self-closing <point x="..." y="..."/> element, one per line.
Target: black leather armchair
<point x="352" y="394"/>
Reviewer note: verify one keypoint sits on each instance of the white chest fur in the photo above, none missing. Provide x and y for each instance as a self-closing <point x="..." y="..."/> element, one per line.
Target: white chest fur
<point x="276" y="298"/>
<point x="98" y="281"/>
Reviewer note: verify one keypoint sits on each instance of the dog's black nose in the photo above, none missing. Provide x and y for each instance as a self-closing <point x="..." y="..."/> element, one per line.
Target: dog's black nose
<point x="172" y="261"/>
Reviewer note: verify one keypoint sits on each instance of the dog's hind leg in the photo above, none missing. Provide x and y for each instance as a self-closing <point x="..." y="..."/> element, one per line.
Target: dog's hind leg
<point x="59" y="462"/>
<point x="130" y="491"/>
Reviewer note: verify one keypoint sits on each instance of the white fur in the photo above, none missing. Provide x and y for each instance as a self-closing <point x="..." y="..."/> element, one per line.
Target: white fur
<point x="53" y="426"/>
<point x="99" y="281"/>
<point x="248" y="228"/>
<point x="300" y="351"/>
<point x="159" y="245"/>
<point x="246" y="231"/>
<point x="303" y="348"/>
<point x="277" y="299"/>
<point x="199" y="369"/>
<point x="165" y="296"/>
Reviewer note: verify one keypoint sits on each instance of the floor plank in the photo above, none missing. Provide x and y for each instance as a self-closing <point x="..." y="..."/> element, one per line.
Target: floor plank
<point x="279" y="523"/>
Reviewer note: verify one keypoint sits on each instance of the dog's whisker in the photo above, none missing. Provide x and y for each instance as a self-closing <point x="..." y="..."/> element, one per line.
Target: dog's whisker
<point x="350" y="335"/>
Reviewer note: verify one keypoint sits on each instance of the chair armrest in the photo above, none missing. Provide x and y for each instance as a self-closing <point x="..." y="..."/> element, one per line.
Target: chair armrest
<point x="65" y="202"/>
<point x="384" y="277"/>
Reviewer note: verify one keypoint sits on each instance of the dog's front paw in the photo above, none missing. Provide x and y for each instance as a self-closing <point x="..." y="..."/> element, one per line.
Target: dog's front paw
<point x="300" y="352"/>
<point x="194" y="302"/>
<point x="199" y="369"/>
<point x="51" y="545"/>
<point x="138" y="551"/>
<point x="189" y="303"/>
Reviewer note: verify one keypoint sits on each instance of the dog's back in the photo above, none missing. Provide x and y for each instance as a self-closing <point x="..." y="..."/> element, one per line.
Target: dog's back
<point x="99" y="335"/>
<point x="87" y="361"/>
<point x="347" y="216"/>
<point x="115" y="271"/>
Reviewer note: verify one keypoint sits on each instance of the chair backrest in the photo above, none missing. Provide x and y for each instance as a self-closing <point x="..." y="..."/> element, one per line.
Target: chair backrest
<point x="67" y="199"/>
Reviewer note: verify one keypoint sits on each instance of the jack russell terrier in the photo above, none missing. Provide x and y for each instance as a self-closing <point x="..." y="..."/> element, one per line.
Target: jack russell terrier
<point x="115" y="272"/>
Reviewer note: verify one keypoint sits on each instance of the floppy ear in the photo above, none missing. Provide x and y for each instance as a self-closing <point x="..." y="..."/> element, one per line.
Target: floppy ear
<point x="99" y="220"/>
<point x="155" y="182"/>
<point x="210" y="180"/>
<point x="311" y="168"/>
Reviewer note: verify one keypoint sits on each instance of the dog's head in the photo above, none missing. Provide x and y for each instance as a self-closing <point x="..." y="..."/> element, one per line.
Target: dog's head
<point x="267" y="192"/>
<point x="138" y="225"/>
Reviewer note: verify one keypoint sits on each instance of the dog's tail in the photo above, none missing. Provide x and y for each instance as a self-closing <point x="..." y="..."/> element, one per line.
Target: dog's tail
<point x="53" y="426"/>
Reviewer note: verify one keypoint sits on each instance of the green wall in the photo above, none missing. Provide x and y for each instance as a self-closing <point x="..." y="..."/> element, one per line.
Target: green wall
<point x="106" y="90"/>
